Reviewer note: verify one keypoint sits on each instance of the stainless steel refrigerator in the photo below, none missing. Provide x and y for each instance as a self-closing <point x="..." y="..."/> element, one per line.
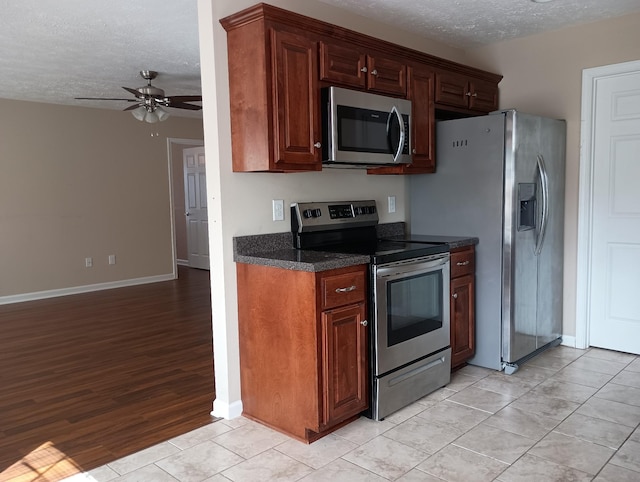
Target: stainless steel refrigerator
<point x="500" y="177"/>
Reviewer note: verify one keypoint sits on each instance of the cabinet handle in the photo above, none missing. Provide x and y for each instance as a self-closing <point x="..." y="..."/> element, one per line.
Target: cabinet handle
<point x="364" y="69"/>
<point x="346" y="290"/>
<point x="463" y="263"/>
<point x="374" y="72"/>
<point x="364" y="322"/>
<point x="317" y="145"/>
<point x="455" y="296"/>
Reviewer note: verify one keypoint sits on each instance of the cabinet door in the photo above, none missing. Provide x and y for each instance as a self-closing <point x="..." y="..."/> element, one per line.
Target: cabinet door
<point x="451" y="89"/>
<point x="423" y="117"/>
<point x="484" y="96"/>
<point x="387" y="75"/>
<point x="344" y="363"/>
<point x="343" y="65"/>
<point x="296" y="101"/>
<point x="462" y="320"/>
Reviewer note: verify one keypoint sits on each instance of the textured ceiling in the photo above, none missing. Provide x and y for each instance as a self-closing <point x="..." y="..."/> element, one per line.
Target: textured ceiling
<point x="55" y="50"/>
<point x="471" y="23"/>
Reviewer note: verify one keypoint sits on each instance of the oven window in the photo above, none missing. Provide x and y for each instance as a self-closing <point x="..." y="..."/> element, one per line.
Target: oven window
<point x="414" y="306"/>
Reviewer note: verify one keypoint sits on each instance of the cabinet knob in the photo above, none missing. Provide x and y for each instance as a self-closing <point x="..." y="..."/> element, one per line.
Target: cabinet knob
<point x="475" y="94"/>
<point x="364" y="322"/>
<point x="468" y="94"/>
<point x="317" y="145"/>
<point x="364" y="69"/>
<point x="413" y="151"/>
<point x="455" y="296"/>
<point x="374" y="72"/>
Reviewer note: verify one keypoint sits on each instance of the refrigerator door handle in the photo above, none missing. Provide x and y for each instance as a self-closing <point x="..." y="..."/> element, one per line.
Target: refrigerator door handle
<point x="544" y="182"/>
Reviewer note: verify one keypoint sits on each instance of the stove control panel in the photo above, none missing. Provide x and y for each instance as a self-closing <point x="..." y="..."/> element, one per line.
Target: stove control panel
<point x="325" y="216"/>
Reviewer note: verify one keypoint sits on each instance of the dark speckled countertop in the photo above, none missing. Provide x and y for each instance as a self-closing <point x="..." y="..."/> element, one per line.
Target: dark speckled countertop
<point x="277" y="250"/>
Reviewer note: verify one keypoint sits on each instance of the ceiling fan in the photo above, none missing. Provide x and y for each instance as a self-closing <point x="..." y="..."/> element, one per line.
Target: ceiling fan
<point x="150" y="100"/>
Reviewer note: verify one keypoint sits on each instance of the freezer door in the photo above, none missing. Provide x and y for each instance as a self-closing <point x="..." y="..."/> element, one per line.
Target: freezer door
<point x="532" y="255"/>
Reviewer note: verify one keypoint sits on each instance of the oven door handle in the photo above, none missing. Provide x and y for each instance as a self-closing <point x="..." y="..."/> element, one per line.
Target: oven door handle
<point x="403" y="270"/>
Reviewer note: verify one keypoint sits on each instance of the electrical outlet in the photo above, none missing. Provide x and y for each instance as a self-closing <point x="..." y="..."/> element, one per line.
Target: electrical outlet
<point x="112" y="259"/>
<point x="88" y="262"/>
<point x="278" y="209"/>
<point x="392" y="204"/>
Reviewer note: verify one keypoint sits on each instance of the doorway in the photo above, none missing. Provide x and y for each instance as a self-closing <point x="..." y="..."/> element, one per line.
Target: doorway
<point x="608" y="306"/>
<point x="175" y="148"/>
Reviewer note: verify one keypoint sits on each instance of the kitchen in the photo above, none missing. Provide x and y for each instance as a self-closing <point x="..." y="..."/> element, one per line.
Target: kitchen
<point x="550" y="86"/>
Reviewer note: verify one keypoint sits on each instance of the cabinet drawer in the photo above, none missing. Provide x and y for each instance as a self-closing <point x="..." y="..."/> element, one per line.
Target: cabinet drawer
<point x="463" y="262"/>
<point x="342" y="289"/>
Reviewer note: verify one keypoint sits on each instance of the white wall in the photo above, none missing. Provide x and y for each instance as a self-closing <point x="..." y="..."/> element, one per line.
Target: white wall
<point x="241" y="202"/>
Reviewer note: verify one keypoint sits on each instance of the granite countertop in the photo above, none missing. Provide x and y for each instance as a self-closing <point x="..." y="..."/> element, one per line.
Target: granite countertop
<point x="453" y="241"/>
<point x="277" y="250"/>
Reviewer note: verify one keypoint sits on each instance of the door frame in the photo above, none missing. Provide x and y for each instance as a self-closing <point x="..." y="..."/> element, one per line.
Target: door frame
<point x="590" y="78"/>
<point x="171" y="141"/>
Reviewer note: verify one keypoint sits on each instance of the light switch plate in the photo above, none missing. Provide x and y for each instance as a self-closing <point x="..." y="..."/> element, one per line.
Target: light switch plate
<point x="392" y="204"/>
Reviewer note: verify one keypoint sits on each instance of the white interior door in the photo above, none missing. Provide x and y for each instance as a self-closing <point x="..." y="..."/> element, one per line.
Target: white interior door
<point x="195" y="191"/>
<point x="614" y="298"/>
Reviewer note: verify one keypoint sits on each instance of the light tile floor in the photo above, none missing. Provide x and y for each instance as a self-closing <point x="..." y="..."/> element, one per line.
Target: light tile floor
<point x="566" y="415"/>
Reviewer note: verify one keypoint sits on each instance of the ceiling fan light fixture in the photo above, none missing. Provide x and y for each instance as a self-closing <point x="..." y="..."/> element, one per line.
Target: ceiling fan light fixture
<point x="150" y="114"/>
<point x="162" y="114"/>
<point x="139" y="113"/>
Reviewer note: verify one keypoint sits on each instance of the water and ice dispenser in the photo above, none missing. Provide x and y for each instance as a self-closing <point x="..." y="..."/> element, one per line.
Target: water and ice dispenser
<point x="527" y="206"/>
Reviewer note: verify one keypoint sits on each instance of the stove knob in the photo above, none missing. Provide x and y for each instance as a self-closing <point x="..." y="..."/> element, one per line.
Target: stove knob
<point x="307" y="213"/>
<point x="317" y="213"/>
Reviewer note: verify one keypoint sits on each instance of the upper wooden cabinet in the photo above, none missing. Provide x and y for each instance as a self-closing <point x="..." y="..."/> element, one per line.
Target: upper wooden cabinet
<point x="466" y="92"/>
<point x="279" y="61"/>
<point x="350" y="66"/>
<point x="275" y="99"/>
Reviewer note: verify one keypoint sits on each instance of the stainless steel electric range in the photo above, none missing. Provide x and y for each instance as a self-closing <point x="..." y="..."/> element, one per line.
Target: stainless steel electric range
<point x="410" y="350"/>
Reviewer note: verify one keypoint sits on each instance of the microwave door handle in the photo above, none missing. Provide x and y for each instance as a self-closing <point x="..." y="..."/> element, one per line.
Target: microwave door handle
<point x="394" y="111"/>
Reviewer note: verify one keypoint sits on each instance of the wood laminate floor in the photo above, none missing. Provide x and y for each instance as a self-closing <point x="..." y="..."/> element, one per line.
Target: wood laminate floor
<point x="89" y="378"/>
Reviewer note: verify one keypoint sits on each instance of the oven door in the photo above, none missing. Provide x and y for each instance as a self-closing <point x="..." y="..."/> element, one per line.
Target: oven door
<point x="411" y="319"/>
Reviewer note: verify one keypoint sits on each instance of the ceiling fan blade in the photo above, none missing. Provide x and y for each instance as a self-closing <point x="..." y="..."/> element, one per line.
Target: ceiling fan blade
<point x="183" y="98"/>
<point x="182" y="105"/>
<point x="132" y="107"/>
<point x="105" y="98"/>
<point x="133" y="91"/>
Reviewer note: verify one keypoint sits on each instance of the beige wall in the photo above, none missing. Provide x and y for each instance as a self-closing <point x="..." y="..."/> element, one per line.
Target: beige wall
<point x="78" y="182"/>
<point x="543" y="75"/>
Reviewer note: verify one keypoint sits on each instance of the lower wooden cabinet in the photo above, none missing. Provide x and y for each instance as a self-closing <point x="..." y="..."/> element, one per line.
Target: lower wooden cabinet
<point x="303" y="348"/>
<point x="462" y="305"/>
<point x="344" y="362"/>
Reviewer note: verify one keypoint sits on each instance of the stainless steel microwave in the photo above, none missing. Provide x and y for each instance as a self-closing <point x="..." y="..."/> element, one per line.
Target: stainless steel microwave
<point x="362" y="129"/>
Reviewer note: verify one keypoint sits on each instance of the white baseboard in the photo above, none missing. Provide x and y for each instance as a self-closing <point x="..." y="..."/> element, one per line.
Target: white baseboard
<point x="182" y="262"/>
<point x="40" y="295"/>
<point x="568" y="341"/>
<point x="226" y="410"/>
